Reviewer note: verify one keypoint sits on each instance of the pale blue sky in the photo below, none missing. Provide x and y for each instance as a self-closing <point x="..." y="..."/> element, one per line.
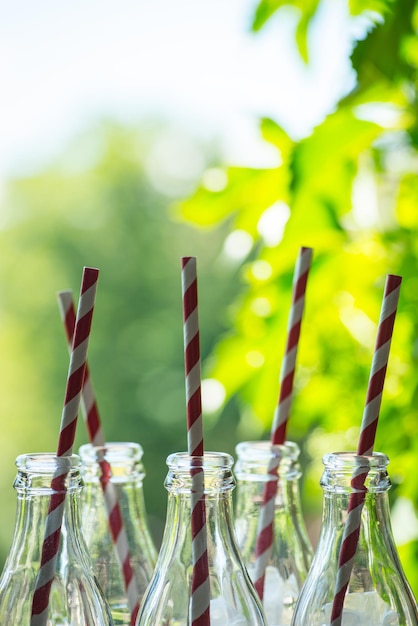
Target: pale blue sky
<point x="65" y="65"/>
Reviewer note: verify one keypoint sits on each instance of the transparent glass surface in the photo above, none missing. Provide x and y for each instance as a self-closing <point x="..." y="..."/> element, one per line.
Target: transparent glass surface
<point x="378" y="593"/>
<point x="126" y="476"/>
<point x="291" y="552"/>
<point x="75" y="598"/>
<point x="233" y="600"/>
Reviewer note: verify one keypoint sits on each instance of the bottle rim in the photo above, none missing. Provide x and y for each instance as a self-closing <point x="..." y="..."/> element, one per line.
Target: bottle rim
<point x="45" y="473"/>
<point x="112" y="451"/>
<point x="265" y="450"/>
<point x="344" y="460"/>
<point x="47" y="462"/>
<point x="262" y="461"/>
<point x="210" y="460"/>
<point x="348" y="472"/>
<point x="210" y="474"/>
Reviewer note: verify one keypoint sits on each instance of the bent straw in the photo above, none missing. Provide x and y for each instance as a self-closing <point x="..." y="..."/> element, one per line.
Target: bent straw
<point x="366" y="443"/>
<point x="43" y="582"/>
<point x="200" y="597"/>
<point x="92" y="420"/>
<point x="265" y="530"/>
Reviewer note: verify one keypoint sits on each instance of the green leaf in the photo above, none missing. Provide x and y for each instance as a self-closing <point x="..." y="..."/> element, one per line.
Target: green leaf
<point x="372" y="7"/>
<point x="306" y="10"/>
<point x="407" y="212"/>
<point x="326" y="162"/>
<point x="379" y="55"/>
<point x="276" y="135"/>
<point x="264" y="10"/>
<point x="248" y="193"/>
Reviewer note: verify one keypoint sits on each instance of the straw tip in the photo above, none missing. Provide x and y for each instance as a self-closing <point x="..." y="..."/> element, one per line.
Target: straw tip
<point x="392" y="285"/>
<point x="187" y="259"/>
<point x="90" y="270"/>
<point x="65" y="299"/>
<point x="394" y="279"/>
<point x="90" y="277"/>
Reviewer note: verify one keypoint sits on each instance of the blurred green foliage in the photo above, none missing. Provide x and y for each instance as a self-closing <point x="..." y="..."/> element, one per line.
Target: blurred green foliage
<point x="105" y="213"/>
<point x="350" y="191"/>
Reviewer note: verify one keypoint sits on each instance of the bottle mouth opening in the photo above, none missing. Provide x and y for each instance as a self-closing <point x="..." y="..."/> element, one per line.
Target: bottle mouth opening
<point x="120" y="460"/>
<point x="345" y="460"/>
<point x="265" y="450"/>
<point x="113" y="451"/>
<point x="262" y="461"/>
<point x="210" y="474"/>
<point x="45" y="473"/>
<point x="348" y="472"/>
<point x="182" y="461"/>
<point x="47" y="463"/>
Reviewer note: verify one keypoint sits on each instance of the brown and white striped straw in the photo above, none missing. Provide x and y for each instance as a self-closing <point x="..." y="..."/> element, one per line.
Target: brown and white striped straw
<point x="265" y="530"/>
<point x="43" y="582"/>
<point x="92" y="420"/>
<point x="369" y="423"/>
<point x="200" y="593"/>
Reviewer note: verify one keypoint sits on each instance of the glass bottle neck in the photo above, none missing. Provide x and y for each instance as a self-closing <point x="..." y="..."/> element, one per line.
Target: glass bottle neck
<point x="36" y="474"/>
<point x="218" y="485"/>
<point x="216" y="468"/>
<point x="268" y="496"/>
<point x="39" y="478"/>
<point x="347" y="472"/>
<point x="124" y="458"/>
<point x="356" y="515"/>
<point x="47" y="576"/>
<point x="256" y="459"/>
<point x="169" y="599"/>
<point x="260" y="462"/>
<point x="345" y="475"/>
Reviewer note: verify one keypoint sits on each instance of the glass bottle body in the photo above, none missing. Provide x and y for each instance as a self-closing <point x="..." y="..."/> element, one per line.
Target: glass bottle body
<point x="378" y="593"/>
<point x="75" y="597"/>
<point x="291" y="551"/>
<point x="232" y="597"/>
<point x="124" y="460"/>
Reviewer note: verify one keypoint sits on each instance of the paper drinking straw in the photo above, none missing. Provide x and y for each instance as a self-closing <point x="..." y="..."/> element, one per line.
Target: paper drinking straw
<point x="88" y="400"/>
<point x="200" y="598"/>
<point x="40" y="600"/>
<point x="366" y="443"/>
<point x="287" y="374"/>
<point x="265" y="530"/>
<point x="92" y="420"/>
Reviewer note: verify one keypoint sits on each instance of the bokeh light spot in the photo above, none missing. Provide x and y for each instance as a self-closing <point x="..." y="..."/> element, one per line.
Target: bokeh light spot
<point x="261" y="270"/>
<point x="213" y="395"/>
<point x="254" y="358"/>
<point x="272" y="223"/>
<point x="261" y="307"/>
<point x="214" y="179"/>
<point x="237" y="245"/>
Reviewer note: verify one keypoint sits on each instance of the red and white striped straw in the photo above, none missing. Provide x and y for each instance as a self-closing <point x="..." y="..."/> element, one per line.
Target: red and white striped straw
<point x="366" y="443"/>
<point x="92" y="420"/>
<point x="87" y="401"/>
<point x="43" y="582"/>
<point x="287" y="374"/>
<point x="200" y="598"/>
<point x="265" y="530"/>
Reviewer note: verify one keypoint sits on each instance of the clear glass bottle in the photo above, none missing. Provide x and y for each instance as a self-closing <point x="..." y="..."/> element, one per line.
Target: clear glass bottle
<point x="127" y="474"/>
<point x="378" y="592"/>
<point x="232" y="597"/>
<point x="75" y="597"/>
<point x="291" y="552"/>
